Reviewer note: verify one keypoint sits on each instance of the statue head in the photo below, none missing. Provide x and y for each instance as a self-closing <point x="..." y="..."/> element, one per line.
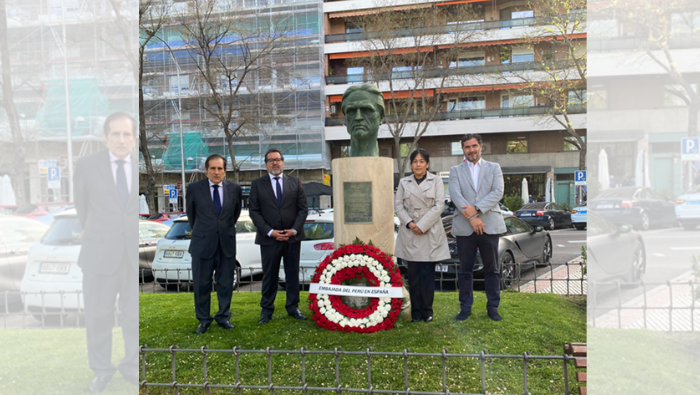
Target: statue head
<point x="363" y="106"/>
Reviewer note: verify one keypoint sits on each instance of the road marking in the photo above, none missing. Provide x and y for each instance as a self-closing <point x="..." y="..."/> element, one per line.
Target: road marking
<point x="659" y="255"/>
<point x="685" y="248"/>
<point x="577" y="241"/>
<point x="561" y="245"/>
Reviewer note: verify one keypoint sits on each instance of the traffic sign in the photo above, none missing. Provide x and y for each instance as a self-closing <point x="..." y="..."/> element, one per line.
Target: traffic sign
<point x="690" y="149"/>
<point x="580" y="177"/>
<point x="173" y="196"/>
<point x="54" y="177"/>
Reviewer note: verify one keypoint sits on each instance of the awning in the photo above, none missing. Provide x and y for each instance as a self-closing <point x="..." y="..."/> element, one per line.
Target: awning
<point x="461" y="2"/>
<point x="362" y="54"/>
<point x="484" y="88"/>
<point x="526" y="169"/>
<point x="368" y="11"/>
<point x="405" y="94"/>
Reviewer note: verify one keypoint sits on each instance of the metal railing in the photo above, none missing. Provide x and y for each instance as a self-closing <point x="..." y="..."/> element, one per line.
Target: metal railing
<point x="475" y="114"/>
<point x="446" y="29"/>
<point x="303" y="354"/>
<point x="663" y="306"/>
<point x="456" y="71"/>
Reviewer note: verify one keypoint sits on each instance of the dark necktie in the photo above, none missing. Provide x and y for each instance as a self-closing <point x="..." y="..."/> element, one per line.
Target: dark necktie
<point x="217" y="200"/>
<point x="279" y="192"/>
<point x="122" y="189"/>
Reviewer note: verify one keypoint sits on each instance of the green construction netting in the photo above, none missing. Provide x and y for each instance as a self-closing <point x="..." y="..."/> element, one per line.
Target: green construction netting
<point x="195" y="151"/>
<point x="86" y="103"/>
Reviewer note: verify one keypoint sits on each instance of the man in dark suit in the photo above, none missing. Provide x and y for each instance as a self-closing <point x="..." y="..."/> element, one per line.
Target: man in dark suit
<point x="106" y="200"/>
<point x="213" y="207"/>
<point x="278" y="210"/>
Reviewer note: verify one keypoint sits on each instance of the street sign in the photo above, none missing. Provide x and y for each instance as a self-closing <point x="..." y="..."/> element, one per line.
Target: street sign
<point x="326" y="179"/>
<point x="173" y="196"/>
<point x="54" y="176"/>
<point x="580" y="177"/>
<point x="690" y="149"/>
<point x="44" y="165"/>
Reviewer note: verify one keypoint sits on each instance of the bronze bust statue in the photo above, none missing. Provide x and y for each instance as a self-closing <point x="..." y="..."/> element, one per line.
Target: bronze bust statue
<point x="363" y="106"/>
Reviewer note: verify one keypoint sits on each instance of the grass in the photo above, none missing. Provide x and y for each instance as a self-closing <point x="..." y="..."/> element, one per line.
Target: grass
<point x="537" y="323"/>
<point x="636" y="361"/>
<point x="52" y="361"/>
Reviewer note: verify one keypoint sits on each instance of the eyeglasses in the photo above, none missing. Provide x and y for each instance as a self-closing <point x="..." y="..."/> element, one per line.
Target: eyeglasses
<point x="275" y="160"/>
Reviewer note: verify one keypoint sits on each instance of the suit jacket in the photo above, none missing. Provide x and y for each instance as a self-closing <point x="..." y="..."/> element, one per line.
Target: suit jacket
<point x="423" y="204"/>
<point x="486" y="198"/>
<point x="267" y="215"/>
<point x="110" y="230"/>
<point x="208" y="229"/>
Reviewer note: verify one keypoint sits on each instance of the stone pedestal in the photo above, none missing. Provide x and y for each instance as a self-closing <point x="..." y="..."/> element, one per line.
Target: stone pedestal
<point x="363" y="197"/>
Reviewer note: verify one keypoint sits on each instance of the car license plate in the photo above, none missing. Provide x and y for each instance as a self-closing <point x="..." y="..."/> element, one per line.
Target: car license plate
<point x="526" y="215"/>
<point x="604" y="206"/>
<point x="173" y="254"/>
<point x="441" y="268"/>
<point x="54" y="268"/>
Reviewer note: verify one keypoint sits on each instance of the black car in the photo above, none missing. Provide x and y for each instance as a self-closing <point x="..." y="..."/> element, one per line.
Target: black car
<point x="521" y="247"/>
<point x="641" y="207"/>
<point x="614" y="252"/>
<point x="546" y="214"/>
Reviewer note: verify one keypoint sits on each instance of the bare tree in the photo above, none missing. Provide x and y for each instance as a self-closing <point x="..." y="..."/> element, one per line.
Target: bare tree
<point x="412" y="55"/>
<point x="234" y="64"/>
<point x="18" y="153"/>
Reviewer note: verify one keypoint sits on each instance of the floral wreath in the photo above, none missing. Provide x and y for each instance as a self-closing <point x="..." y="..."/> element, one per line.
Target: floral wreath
<point x="361" y="261"/>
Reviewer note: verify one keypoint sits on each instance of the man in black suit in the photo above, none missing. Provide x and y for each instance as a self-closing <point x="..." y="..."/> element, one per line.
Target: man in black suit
<point x="213" y="207"/>
<point x="278" y="210"/>
<point x="107" y="204"/>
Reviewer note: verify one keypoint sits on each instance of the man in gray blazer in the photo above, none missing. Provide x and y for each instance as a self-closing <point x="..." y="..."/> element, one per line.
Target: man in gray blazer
<point x="106" y="200"/>
<point x="476" y="187"/>
<point x="213" y="207"/>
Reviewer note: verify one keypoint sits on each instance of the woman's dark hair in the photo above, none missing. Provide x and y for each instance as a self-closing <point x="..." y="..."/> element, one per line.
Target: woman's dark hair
<point x="422" y="153"/>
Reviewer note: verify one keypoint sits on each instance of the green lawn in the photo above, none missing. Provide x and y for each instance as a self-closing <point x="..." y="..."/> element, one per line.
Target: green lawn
<point x="637" y="361"/>
<point x="52" y="361"/>
<point x="537" y="323"/>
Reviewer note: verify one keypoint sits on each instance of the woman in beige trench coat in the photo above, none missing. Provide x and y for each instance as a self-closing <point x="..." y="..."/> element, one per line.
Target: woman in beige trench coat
<point x="421" y="242"/>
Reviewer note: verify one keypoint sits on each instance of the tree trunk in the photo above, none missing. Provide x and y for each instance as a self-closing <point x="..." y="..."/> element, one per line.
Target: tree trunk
<point x="143" y="147"/>
<point x="234" y="165"/>
<point x="19" y="152"/>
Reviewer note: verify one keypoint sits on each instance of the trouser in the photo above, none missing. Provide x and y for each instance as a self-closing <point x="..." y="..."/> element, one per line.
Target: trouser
<point x="488" y="249"/>
<point x="421" y="288"/>
<point x="271" y="256"/>
<point x="221" y="269"/>
<point x="100" y="295"/>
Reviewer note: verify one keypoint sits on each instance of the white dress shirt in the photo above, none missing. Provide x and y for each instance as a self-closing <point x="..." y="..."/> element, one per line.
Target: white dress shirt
<point x="221" y="191"/>
<point x="127" y="168"/>
<point x="475" y="169"/>
<point x="274" y="183"/>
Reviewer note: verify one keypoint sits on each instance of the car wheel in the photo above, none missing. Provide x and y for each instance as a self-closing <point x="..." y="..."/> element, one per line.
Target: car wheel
<point x="689" y="225"/>
<point x="551" y="224"/>
<point x="639" y="264"/>
<point x="643" y="221"/>
<point x="236" y="276"/>
<point x="547" y="251"/>
<point x="580" y="227"/>
<point x="508" y="269"/>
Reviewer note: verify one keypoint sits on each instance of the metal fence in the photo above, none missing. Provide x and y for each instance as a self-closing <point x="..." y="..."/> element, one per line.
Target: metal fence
<point x="337" y="353"/>
<point x="663" y="306"/>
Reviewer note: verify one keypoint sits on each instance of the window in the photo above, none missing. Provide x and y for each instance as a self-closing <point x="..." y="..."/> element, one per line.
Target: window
<point x="469" y="59"/>
<point x="517" y="145"/>
<point x="577" y="98"/>
<point x="472" y="103"/>
<point x="182" y="86"/>
<point x="457" y="149"/>
<point x="513" y="101"/>
<point x="522" y="14"/>
<point x="521" y="55"/>
<point x="318" y="230"/>
<point x="152" y="230"/>
<point x="571" y="144"/>
<point x="516" y="226"/>
<point x="406" y="150"/>
<point x="344" y="151"/>
<point x="352" y="27"/>
<point x="685" y="23"/>
<point x="676" y="95"/>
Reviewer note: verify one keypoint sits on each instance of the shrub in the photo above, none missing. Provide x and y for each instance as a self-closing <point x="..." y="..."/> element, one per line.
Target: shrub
<point x="513" y="202"/>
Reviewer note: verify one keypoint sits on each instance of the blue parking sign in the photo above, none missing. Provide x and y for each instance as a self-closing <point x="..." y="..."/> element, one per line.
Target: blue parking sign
<point x="580" y="177"/>
<point x="690" y="148"/>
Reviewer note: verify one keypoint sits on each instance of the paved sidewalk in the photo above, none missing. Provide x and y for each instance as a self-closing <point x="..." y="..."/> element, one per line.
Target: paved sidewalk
<point x="669" y="307"/>
<point x="564" y="280"/>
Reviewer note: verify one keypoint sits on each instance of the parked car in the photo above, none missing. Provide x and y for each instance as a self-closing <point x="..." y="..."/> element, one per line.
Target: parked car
<point x="164" y="217"/>
<point x="504" y="209"/>
<point x="17" y="236"/>
<point x="52" y="265"/>
<point x="614" y="251"/>
<point x="172" y="263"/>
<point x="578" y="216"/>
<point x="546" y="214"/>
<point x="688" y="209"/>
<point x="8" y="209"/>
<point x="49" y="218"/>
<point x="144" y="216"/>
<point x="641" y="207"/>
<point x="39" y="209"/>
<point x="314" y="249"/>
<point x="521" y="247"/>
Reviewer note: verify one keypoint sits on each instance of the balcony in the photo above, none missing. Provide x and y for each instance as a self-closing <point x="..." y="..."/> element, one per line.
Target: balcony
<point x="435" y="73"/>
<point x="447" y="29"/>
<point x="476" y="114"/>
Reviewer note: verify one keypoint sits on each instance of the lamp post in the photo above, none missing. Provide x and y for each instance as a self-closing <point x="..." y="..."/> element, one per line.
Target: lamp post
<point x="179" y="110"/>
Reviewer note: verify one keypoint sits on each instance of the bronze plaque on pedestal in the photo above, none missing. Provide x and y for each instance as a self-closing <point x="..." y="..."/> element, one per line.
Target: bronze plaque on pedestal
<point x="357" y="197"/>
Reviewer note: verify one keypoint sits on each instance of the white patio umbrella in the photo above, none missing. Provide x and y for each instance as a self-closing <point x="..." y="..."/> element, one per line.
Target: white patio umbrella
<point x="525" y="192"/>
<point x="7" y="193"/>
<point x="551" y="191"/>
<point x="143" y="205"/>
<point x="603" y="172"/>
<point x="547" y="192"/>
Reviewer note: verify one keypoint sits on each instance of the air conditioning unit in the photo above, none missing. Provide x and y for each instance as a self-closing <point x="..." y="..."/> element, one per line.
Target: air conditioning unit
<point x="334" y="109"/>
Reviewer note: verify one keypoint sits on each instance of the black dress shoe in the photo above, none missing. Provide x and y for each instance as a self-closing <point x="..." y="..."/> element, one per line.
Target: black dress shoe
<point x="494" y="315"/>
<point x="429" y="318"/>
<point x="202" y="328"/>
<point x="463" y="315"/>
<point x="99" y="383"/>
<point x="416" y="320"/>
<point x="264" y="320"/>
<point x="296" y="313"/>
<point x="226" y="325"/>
